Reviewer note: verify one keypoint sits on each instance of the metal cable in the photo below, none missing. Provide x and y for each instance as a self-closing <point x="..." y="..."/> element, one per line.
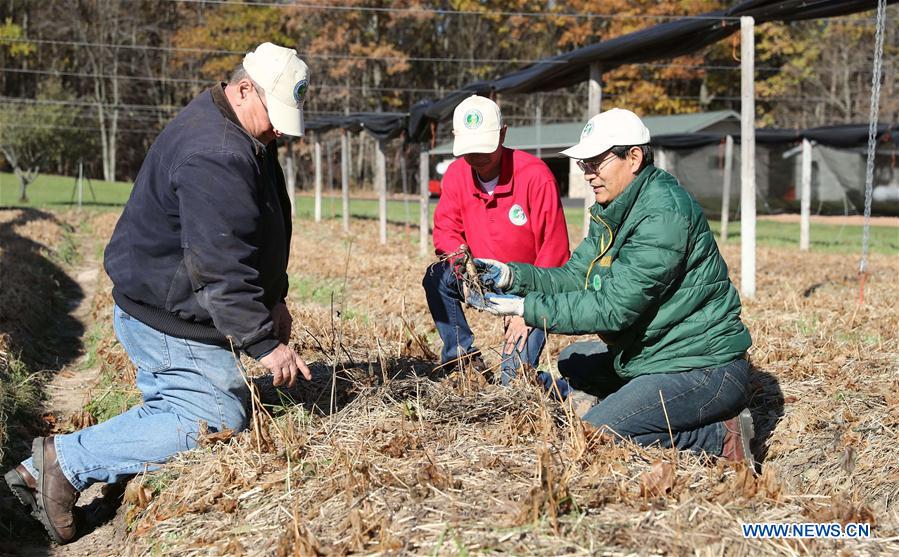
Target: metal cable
<point x="872" y="138"/>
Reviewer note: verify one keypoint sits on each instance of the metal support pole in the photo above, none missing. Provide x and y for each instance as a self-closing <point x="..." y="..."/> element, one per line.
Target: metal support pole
<point x="423" y="195"/>
<point x="594" y="104"/>
<point x="805" y="195"/>
<point x="538" y="116"/>
<point x="318" y="179"/>
<point x="725" y="191"/>
<point x="329" y="156"/>
<point x="747" y="156"/>
<point x="381" y="181"/>
<point x="80" y="182"/>
<point x="345" y="178"/>
<point x="291" y="171"/>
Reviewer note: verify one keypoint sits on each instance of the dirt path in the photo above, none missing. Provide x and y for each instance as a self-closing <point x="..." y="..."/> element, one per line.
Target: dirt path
<point x="67" y="394"/>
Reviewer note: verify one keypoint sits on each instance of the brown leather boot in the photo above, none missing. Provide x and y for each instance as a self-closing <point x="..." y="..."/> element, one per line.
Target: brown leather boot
<point x="55" y="495"/>
<point x="739" y="431"/>
<point x="23" y="485"/>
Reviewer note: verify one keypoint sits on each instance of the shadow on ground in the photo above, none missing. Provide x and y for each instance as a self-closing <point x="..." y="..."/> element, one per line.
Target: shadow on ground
<point x="331" y="390"/>
<point x="37" y="330"/>
<point x="767" y="406"/>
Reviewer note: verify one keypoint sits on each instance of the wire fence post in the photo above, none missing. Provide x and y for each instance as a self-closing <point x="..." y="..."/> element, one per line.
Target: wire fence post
<point x="725" y="190"/>
<point x="345" y="178"/>
<point x="318" y="178"/>
<point x="423" y="195"/>
<point x="381" y="181"/>
<point x="747" y="157"/>
<point x="594" y="104"/>
<point x="291" y="171"/>
<point x="805" y="195"/>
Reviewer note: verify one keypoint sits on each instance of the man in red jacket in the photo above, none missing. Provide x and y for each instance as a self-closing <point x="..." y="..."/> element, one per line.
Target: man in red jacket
<point x="504" y="204"/>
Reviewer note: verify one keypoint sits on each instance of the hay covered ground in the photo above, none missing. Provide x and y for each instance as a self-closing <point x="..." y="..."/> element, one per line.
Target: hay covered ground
<point x="390" y="459"/>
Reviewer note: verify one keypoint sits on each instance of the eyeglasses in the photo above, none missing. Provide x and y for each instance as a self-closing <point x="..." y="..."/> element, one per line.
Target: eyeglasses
<point x="260" y="99"/>
<point x="593" y="166"/>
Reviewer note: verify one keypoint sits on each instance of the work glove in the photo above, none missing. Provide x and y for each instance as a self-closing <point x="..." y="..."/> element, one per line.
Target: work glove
<point x="494" y="274"/>
<point x="497" y="304"/>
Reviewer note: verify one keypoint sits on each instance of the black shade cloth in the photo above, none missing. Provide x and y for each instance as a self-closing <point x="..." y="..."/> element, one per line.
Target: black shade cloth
<point x="852" y="135"/>
<point x="666" y="40"/>
<point x="380" y="125"/>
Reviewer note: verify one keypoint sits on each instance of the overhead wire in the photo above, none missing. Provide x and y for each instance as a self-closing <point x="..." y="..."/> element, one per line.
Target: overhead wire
<point x="430" y="59"/>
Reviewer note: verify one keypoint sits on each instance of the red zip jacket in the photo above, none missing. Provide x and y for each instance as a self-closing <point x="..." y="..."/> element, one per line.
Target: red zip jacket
<point x="521" y="222"/>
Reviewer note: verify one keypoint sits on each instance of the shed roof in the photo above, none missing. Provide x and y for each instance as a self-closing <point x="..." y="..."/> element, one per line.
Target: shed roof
<point x="563" y="135"/>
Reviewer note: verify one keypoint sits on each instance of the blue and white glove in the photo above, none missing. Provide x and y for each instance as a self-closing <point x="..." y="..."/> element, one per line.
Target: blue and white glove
<point x="497" y="304"/>
<point x="494" y="274"/>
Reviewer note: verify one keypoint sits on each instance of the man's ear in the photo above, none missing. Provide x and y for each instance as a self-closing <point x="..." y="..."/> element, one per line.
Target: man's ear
<point x="502" y="134"/>
<point x="244" y="87"/>
<point x="635" y="158"/>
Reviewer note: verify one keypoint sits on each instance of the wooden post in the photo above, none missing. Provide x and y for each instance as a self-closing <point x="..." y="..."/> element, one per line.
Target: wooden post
<point x="423" y="197"/>
<point x="80" y="182"/>
<point x="381" y="181"/>
<point x="291" y="171"/>
<point x="805" y="195"/>
<point x="318" y="178"/>
<point x="725" y="191"/>
<point x="329" y="155"/>
<point x="345" y="178"/>
<point x="747" y="157"/>
<point x="404" y="178"/>
<point x="594" y="104"/>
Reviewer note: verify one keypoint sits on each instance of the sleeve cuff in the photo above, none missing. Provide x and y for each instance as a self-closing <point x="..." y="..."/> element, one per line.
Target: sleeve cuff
<point x="262" y="348"/>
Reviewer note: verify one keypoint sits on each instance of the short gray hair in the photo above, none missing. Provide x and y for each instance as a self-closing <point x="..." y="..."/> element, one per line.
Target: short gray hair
<point x="239" y="74"/>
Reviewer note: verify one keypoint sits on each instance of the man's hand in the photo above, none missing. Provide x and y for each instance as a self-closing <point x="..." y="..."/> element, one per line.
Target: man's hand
<point x="516" y="334"/>
<point x="494" y="274"/>
<point x="282" y="322"/>
<point x="284" y="364"/>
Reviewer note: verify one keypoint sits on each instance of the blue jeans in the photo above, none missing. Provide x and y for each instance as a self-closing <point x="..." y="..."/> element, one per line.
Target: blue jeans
<point x="183" y="383"/>
<point x="444" y="296"/>
<point x="697" y="402"/>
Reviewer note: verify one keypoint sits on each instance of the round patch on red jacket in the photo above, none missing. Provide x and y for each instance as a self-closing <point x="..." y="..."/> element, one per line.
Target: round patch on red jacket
<point x="517" y="215"/>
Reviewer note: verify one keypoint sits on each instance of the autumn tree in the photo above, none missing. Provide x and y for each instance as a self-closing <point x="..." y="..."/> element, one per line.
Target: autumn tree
<point x="33" y="135"/>
<point x="816" y="72"/>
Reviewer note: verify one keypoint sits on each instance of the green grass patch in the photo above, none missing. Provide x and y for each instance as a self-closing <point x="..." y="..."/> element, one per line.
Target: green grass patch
<point x="20" y="396"/>
<point x="313" y="289"/>
<point x="822" y="237"/>
<point x="115" y="396"/>
<point x="56" y="191"/>
<point x="49" y="190"/>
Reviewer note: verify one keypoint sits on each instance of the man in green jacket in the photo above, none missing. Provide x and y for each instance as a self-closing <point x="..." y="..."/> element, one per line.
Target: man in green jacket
<point x="649" y="280"/>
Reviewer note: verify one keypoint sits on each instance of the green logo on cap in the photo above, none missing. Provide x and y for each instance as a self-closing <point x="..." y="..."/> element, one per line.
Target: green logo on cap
<point x="588" y="129"/>
<point x="473" y="119"/>
<point x="299" y="90"/>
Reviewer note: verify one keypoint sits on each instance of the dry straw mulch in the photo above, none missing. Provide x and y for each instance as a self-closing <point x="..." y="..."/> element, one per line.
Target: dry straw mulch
<point x="380" y="455"/>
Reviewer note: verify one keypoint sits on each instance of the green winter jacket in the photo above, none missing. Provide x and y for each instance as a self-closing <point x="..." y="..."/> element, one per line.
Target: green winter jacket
<point x="648" y="278"/>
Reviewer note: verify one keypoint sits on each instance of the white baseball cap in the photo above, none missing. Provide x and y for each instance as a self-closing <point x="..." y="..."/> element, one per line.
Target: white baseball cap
<point x="606" y="130"/>
<point x="476" y="126"/>
<point x="284" y="78"/>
